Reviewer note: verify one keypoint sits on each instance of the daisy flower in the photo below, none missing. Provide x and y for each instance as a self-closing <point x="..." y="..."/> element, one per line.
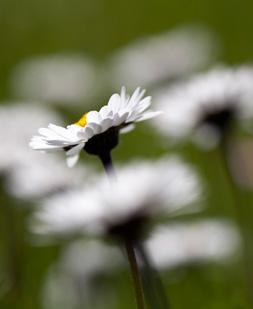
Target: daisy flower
<point x="96" y="132"/>
<point x="55" y="78"/>
<point x="166" y="187"/>
<point x="205" y="106"/>
<point x="199" y="241"/>
<point x="152" y="60"/>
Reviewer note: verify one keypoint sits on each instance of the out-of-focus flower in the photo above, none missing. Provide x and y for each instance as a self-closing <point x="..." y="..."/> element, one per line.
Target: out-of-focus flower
<point x="77" y="278"/>
<point x="96" y="132"/>
<point x="54" y="79"/>
<point x="196" y="242"/>
<point x="39" y="176"/>
<point x="17" y="123"/>
<point x="144" y="190"/>
<point x="205" y="106"/>
<point x="163" y="57"/>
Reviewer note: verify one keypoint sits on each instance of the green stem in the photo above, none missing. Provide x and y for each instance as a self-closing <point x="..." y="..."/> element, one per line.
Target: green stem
<point x="129" y="247"/>
<point x="136" y="276"/>
<point x="155" y="292"/>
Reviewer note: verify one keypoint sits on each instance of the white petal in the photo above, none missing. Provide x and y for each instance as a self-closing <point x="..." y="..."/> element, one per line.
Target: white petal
<point x="93" y="117"/>
<point x="96" y="128"/>
<point x="135" y="98"/>
<point x="71" y="160"/>
<point x="127" y="128"/>
<point x="114" y="102"/>
<point x="105" y="112"/>
<point x="48" y="133"/>
<point x="86" y="132"/>
<point x="144" y="104"/>
<point x="106" y="123"/>
<point x="148" y="115"/>
<point x="62" y="132"/>
<point x="75" y="150"/>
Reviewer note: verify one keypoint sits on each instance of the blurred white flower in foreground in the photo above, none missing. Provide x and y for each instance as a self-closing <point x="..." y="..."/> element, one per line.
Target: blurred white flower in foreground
<point x="54" y="79"/>
<point x="96" y="132"/>
<point x="166" y="56"/>
<point x="195" y="242"/>
<point x="77" y="278"/>
<point x="143" y="190"/>
<point x="205" y="106"/>
<point x="17" y="123"/>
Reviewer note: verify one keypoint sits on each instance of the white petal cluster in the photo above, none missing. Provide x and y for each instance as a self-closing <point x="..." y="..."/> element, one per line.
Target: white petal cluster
<point x="202" y="241"/>
<point x="145" y="189"/>
<point x="154" y="59"/>
<point x="186" y="103"/>
<point x="54" y="79"/>
<point x="121" y="111"/>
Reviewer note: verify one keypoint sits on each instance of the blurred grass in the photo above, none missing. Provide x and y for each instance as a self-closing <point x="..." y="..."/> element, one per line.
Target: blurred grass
<point x="35" y="27"/>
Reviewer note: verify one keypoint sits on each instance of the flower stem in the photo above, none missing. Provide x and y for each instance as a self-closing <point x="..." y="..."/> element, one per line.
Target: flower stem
<point x="129" y="247"/>
<point x="106" y="160"/>
<point x="155" y="292"/>
<point x="139" y="294"/>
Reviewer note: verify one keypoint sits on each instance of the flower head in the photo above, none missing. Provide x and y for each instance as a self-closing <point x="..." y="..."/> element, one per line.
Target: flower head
<point x="57" y="78"/>
<point x="144" y="190"/>
<point x="173" y="54"/>
<point x="205" y="106"/>
<point x="96" y="132"/>
<point x="200" y="241"/>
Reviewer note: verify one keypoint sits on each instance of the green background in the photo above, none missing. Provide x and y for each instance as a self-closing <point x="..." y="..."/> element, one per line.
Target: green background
<point x="96" y="28"/>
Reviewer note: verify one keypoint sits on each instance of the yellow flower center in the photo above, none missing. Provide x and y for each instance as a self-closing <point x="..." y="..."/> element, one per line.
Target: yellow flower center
<point x="82" y="121"/>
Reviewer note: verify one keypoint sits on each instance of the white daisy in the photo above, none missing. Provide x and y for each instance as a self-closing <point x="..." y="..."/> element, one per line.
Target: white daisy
<point x="205" y="106"/>
<point x="55" y="79"/>
<point x="96" y="132"/>
<point x="158" y="58"/>
<point x="185" y="243"/>
<point x="143" y="190"/>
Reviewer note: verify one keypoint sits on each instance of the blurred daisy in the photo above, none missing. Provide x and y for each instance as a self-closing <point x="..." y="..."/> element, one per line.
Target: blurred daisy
<point x="54" y="79"/>
<point x="96" y="132"/>
<point x="167" y="56"/>
<point x="21" y="119"/>
<point x="122" y="208"/>
<point x="205" y="106"/>
<point x="80" y="275"/>
<point x="39" y="176"/>
<point x="195" y="242"/>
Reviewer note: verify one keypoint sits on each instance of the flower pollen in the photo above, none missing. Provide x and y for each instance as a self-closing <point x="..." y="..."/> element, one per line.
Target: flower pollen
<point x="82" y="121"/>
